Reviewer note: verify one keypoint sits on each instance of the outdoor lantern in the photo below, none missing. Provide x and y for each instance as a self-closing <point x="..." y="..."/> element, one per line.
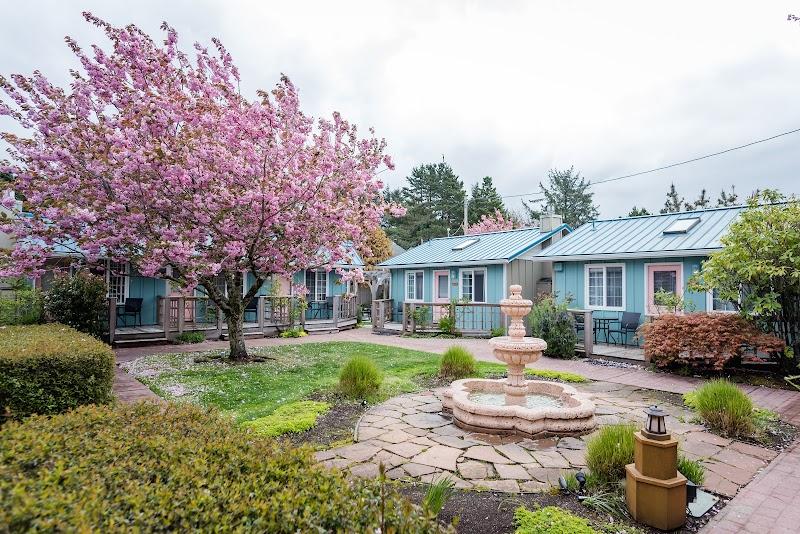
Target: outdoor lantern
<point x="581" y="478"/>
<point x="656" y="426"/>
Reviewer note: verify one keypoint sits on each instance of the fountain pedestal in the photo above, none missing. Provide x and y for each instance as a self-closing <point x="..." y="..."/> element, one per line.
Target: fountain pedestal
<point x="516" y="405"/>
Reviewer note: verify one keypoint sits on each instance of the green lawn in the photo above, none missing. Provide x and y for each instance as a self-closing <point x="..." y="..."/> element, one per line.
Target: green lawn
<point x="253" y="390"/>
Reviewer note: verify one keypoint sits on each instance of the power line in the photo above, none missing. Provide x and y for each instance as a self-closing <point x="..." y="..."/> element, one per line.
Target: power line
<point x="606" y="180"/>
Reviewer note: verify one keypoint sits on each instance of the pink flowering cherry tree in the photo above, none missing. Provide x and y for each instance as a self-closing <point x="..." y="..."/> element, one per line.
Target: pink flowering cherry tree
<point x="495" y="223"/>
<point x="153" y="156"/>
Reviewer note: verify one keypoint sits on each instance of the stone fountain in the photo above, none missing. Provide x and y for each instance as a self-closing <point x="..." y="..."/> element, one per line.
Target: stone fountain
<point x="515" y="405"/>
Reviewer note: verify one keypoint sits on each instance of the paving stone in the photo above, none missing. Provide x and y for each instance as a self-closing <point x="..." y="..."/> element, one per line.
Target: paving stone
<point x="551" y="459"/>
<point x="439" y="456"/>
<point x="717" y="484"/>
<point x="457" y="482"/>
<point x="452" y="441"/>
<point x="738" y="476"/>
<point x="396" y="436"/>
<point x="370" y="418"/>
<point x="487" y="454"/>
<point x="505" y="486"/>
<point x="534" y="486"/>
<point x="740" y="460"/>
<point x="406" y="450"/>
<point x="337" y="463"/>
<point x="571" y="443"/>
<point x="515" y="453"/>
<point x="386" y="412"/>
<point x="368" y="432"/>
<point x="545" y="474"/>
<point x="396" y="473"/>
<point x="325" y="455"/>
<point x="700" y="448"/>
<point x="422" y="440"/>
<point x="357" y="452"/>
<point x="418" y="432"/>
<point x="417" y="470"/>
<point x="385" y="422"/>
<point x="707" y="437"/>
<point x="752" y="450"/>
<point x="514" y="471"/>
<point x="489" y="439"/>
<point x="449" y="430"/>
<point x="388" y="459"/>
<point x="425" y="399"/>
<point x="426" y="420"/>
<point x="471" y="469"/>
<point x="538" y="444"/>
<point x="575" y="458"/>
<point x="430" y="408"/>
<point x="366" y="470"/>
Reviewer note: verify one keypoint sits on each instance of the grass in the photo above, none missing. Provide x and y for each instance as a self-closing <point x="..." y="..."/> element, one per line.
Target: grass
<point x="724" y="407"/>
<point x="190" y="337"/>
<point x="438" y="494"/>
<point x="610" y="450"/>
<point x="561" y="376"/>
<point x="293" y="417"/>
<point x="692" y="469"/>
<point x="550" y="520"/>
<point x="360" y="378"/>
<point x="457" y="362"/>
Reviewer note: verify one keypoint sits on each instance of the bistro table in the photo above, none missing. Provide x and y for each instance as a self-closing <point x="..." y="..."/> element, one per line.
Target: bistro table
<point x="603" y="324"/>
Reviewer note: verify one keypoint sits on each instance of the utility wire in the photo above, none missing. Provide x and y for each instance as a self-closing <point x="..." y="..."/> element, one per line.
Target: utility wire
<point x="606" y="180"/>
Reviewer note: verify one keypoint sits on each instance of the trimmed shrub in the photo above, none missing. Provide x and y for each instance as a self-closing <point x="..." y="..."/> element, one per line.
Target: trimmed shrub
<point x="78" y="301"/>
<point x="190" y="338"/>
<point x="51" y="368"/>
<point x="724" y="407"/>
<point x="552" y="322"/>
<point x="359" y="378"/>
<point x="457" y="362"/>
<point x="22" y="304"/>
<point x="550" y="520"/>
<point x="294" y="331"/>
<point x="293" y="417"/>
<point x="498" y="331"/>
<point x="173" y="468"/>
<point x="703" y="341"/>
<point x="608" y="452"/>
<point x="691" y="469"/>
<point x="561" y="376"/>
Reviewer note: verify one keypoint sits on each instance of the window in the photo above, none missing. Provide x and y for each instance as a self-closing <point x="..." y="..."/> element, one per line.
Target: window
<point x="473" y="285"/>
<point x="667" y="277"/>
<point x="443" y="286"/>
<point x="117" y="280"/>
<point x="605" y="286"/>
<point x="682" y="226"/>
<point x="716" y="304"/>
<point x="414" y="283"/>
<point x="317" y="284"/>
<point x="465" y="244"/>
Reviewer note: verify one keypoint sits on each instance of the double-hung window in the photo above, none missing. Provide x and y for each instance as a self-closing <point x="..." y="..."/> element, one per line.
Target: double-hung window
<point x="605" y="286"/>
<point x="473" y="285"/>
<point x="414" y="285"/>
<point x="117" y="280"/>
<point x="317" y="284"/>
<point x="716" y="304"/>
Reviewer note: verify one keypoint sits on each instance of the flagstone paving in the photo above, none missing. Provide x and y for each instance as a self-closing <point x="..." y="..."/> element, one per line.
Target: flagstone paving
<point x="414" y="440"/>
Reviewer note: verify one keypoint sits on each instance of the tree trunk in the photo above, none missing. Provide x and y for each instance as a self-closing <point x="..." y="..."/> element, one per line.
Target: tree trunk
<point x="236" y="336"/>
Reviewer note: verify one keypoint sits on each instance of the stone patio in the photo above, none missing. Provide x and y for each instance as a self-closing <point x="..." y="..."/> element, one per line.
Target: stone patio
<point x="415" y="441"/>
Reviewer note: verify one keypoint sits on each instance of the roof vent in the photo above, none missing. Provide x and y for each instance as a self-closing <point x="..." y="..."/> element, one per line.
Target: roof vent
<point x="682" y="226"/>
<point x="465" y="244"/>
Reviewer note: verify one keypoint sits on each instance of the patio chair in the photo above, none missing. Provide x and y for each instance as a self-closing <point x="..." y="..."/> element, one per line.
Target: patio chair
<point x="628" y="324"/>
<point x="580" y="323"/>
<point x="132" y="308"/>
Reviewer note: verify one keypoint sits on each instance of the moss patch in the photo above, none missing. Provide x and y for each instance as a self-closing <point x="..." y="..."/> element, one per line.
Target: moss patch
<point x="289" y="418"/>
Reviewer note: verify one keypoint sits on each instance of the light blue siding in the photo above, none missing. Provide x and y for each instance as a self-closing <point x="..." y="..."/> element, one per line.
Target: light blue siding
<point x="148" y="289"/>
<point x="494" y="282"/>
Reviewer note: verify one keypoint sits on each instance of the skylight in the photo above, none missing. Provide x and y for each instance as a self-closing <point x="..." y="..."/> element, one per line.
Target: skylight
<point x="682" y="226"/>
<point x="465" y="244"/>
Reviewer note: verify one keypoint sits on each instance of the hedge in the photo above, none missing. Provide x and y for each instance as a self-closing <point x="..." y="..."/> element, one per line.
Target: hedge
<point x="151" y="467"/>
<point x="51" y="368"/>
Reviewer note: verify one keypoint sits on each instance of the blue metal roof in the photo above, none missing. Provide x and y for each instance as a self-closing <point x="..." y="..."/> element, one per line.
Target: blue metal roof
<point x="491" y="247"/>
<point x="645" y="236"/>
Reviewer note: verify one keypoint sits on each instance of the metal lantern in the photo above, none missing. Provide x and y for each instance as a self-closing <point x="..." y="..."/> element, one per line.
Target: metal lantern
<point x="655" y="421"/>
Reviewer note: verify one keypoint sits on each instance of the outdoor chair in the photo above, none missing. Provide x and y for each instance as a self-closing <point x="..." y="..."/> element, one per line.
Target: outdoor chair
<point x="628" y="324"/>
<point x="131" y="308"/>
<point x="580" y="323"/>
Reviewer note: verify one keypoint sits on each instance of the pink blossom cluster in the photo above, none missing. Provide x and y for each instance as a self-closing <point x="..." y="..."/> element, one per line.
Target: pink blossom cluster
<point x="153" y="155"/>
<point x="494" y="223"/>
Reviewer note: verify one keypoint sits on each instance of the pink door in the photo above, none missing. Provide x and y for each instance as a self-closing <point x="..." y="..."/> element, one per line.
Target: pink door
<point x="666" y="276"/>
<point x="441" y="293"/>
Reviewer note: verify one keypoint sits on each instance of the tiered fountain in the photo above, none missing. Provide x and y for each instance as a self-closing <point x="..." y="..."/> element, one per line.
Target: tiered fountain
<point x="515" y="405"/>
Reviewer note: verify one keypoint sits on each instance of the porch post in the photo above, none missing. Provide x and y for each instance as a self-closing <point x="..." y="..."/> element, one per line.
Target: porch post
<point x="381" y="313"/>
<point x="337" y="305"/>
<point x="260" y="312"/>
<point x="181" y="314"/>
<point x="165" y="317"/>
<point x="588" y="333"/>
<point x="405" y="317"/>
<point x="112" y="319"/>
<point x="412" y="310"/>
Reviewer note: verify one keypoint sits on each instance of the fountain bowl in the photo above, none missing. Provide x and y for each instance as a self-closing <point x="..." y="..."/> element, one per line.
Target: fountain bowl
<point x="569" y="413"/>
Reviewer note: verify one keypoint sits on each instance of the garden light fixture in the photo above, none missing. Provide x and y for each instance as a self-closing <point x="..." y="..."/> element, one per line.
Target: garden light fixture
<point x="656" y="427"/>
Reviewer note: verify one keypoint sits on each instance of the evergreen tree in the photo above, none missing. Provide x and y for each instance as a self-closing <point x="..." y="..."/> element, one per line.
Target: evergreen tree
<point x="434" y="200"/>
<point x="638" y="212"/>
<point x="674" y="201"/>
<point x="484" y="201"/>
<point x="702" y="202"/>
<point x="567" y="194"/>
<point x="728" y="199"/>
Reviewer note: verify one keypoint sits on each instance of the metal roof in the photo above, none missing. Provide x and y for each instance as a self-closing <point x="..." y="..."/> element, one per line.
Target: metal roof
<point x="645" y="236"/>
<point x="491" y="247"/>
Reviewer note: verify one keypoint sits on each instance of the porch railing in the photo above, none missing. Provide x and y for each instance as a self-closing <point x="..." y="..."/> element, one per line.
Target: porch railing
<point x="468" y="317"/>
<point x="382" y="311"/>
<point x="584" y="323"/>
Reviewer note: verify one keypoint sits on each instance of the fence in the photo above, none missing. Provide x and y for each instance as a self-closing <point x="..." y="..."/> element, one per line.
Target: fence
<point x="467" y="317"/>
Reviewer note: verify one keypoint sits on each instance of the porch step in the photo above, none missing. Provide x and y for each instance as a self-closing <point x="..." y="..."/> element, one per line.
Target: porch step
<point x="322" y="330"/>
<point x="140" y="341"/>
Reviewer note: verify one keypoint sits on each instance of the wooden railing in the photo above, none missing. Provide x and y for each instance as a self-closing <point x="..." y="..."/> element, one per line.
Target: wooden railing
<point x="381" y="313"/>
<point x="469" y="317"/>
<point x="585" y="329"/>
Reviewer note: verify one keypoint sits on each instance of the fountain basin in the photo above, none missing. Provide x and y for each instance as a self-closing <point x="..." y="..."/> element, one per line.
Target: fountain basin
<point x="542" y="408"/>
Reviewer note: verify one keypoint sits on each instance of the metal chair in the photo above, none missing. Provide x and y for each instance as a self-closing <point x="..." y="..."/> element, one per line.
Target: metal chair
<point x="580" y="323"/>
<point x="628" y="324"/>
<point x="132" y="308"/>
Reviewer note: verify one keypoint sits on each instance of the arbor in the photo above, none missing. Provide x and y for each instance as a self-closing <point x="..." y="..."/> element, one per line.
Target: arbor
<point x="758" y="267"/>
<point x="154" y="157"/>
<point x="567" y="194"/>
<point x="484" y="201"/>
<point x="434" y="200"/>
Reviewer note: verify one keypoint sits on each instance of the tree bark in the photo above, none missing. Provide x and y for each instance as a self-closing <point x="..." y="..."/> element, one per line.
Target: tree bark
<point x="238" y="351"/>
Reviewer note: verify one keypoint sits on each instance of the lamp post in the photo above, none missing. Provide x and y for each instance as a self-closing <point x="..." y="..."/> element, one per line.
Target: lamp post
<point x="654" y="490"/>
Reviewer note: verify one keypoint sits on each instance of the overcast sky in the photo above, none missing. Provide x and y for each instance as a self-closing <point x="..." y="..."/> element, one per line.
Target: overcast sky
<point x="506" y="89"/>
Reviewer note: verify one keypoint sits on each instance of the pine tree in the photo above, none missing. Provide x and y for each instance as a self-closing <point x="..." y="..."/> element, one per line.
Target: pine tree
<point x="484" y="201"/>
<point x="702" y="202"/>
<point x="638" y="212"/>
<point x="674" y="201"/>
<point x="728" y="199"/>
<point x="567" y="194"/>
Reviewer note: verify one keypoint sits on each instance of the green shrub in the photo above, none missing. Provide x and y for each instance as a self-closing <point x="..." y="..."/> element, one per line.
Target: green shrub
<point x="724" y="407"/>
<point x="190" y="337"/>
<point x="457" y="362"/>
<point x="80" y="302"/>
<point x="52" y="368"/>
<point x="447" y="324"/>
<point x="691" y="469"/>
<point x="437" y="495"/>
<point x="561" y="376"/>
<point x="498" y="331"/>
<point x="174" y="468"/>
<point x="293" y="417"/>
<point x="550" y="520"/>
<point x="359" y="378"/>
<point x="552" y="322"/>
<point x="610" y="450"/>
<point x="22" y="304"/>
<point x="294" y="331"/>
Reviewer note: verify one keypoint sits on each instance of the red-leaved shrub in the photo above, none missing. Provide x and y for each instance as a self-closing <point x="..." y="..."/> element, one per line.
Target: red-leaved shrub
<point x="703" y="341"/>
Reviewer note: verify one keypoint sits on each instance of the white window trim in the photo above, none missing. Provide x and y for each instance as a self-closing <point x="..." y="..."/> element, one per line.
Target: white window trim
<point x="710" y="303"/>
<point x="485" y="284"/>
<point x="127" y="280"/>
<point x="317" y="273"/>
<point x="436" y="275"/>
<point x="679" y="284"/>
<point x="586" y="303"/>
<point x="415" y="272"/>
